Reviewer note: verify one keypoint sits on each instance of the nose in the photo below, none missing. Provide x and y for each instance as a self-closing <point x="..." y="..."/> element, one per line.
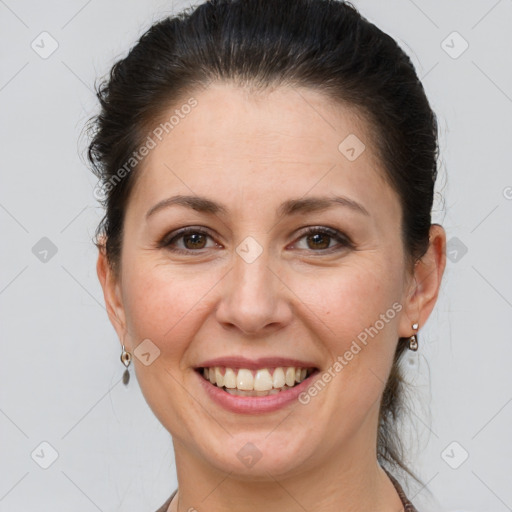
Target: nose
<point x="254" y="299"/>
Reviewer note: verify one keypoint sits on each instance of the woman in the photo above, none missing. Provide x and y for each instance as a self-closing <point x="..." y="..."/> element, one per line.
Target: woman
<point x="267" y="252"/>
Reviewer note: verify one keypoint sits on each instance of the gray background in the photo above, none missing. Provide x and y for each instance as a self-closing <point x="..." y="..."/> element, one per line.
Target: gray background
<point x="59" y="366"/>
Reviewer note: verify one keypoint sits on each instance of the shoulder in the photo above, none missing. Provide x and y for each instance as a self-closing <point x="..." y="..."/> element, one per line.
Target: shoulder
<point x="165" y="506"/>
<point x="408" y="506"/>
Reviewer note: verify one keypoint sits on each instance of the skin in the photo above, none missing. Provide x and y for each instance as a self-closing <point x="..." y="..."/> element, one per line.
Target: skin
<point x="302" y="297"/>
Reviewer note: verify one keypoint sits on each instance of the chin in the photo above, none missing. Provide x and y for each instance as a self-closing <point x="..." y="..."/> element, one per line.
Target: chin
<point x="260" y="456"/>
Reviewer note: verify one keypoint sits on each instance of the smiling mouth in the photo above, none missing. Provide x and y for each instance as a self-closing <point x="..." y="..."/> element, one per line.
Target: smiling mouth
<point x="261" y="382"/>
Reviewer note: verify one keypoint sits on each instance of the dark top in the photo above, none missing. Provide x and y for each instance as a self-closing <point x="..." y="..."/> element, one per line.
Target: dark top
<point x="408" y="506"/>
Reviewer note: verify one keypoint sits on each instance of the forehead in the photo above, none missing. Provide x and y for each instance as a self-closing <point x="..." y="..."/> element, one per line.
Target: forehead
<point x="284" y="141"/>
<point x="279" y="122"/>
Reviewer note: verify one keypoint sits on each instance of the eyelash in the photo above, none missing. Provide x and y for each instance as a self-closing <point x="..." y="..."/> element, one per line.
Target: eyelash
<point x="342" y="239"/>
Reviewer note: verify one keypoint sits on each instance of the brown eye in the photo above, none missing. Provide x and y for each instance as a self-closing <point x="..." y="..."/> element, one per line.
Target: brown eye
<point x="187" y="240"/>
<point x="324" y="239"/>
<point x="318" y="241"/>
<point x="194" y="241"/>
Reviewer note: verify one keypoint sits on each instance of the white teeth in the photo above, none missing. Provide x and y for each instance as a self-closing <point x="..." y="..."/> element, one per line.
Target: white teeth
<point x="244" y="380"/>
<point x="290" y="376"/>
<point x="263" y="380"/>
<point x="239" y="392"/>
<point x="278" y="380"/>
<point x="219" y="378"/>
<point x="230" y="379"/>
<point x="259" y="382"/>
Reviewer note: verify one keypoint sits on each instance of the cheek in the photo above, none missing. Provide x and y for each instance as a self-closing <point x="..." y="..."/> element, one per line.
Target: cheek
<point x="349" y="299"/>
<point x="356" y="319"/>
<point x="163" y="304"/>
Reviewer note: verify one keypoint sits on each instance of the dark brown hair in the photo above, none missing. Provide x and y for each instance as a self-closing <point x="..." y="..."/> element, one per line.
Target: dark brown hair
<point x="325" y="45"/>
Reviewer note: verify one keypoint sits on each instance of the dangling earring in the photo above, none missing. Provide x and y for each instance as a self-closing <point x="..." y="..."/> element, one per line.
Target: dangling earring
<point x="413" y="340"/>
<point x="126" y="359"/>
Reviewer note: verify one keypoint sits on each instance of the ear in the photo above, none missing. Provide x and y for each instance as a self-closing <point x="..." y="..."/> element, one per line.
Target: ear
<point x="424" y="285"/>
<point x="111" y="292"/>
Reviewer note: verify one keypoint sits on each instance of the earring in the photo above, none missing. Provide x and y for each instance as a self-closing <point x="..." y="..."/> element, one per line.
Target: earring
<point x="126" y="359"/>
<point x="413" y="340"/>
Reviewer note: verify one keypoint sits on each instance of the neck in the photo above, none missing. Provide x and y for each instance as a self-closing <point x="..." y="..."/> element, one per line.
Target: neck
<point x="348" y="481"/>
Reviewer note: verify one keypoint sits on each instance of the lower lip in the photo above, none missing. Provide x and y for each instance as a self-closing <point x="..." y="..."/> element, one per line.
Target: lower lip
<point x="254" y="404"/>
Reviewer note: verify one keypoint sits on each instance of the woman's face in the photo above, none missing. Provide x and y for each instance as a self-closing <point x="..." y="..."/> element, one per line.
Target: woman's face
<point x="252" y="283"/>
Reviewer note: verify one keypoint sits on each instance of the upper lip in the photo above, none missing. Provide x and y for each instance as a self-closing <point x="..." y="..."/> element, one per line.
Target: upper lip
<point x="254" y="364"/>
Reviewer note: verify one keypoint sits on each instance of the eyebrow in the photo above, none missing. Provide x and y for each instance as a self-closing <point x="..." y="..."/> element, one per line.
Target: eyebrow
<point x="290" y="207"/>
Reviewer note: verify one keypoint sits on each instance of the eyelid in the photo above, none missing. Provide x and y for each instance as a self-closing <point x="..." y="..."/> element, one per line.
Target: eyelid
<point x="342" y="239"/>
<point x="165" y="242"/>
